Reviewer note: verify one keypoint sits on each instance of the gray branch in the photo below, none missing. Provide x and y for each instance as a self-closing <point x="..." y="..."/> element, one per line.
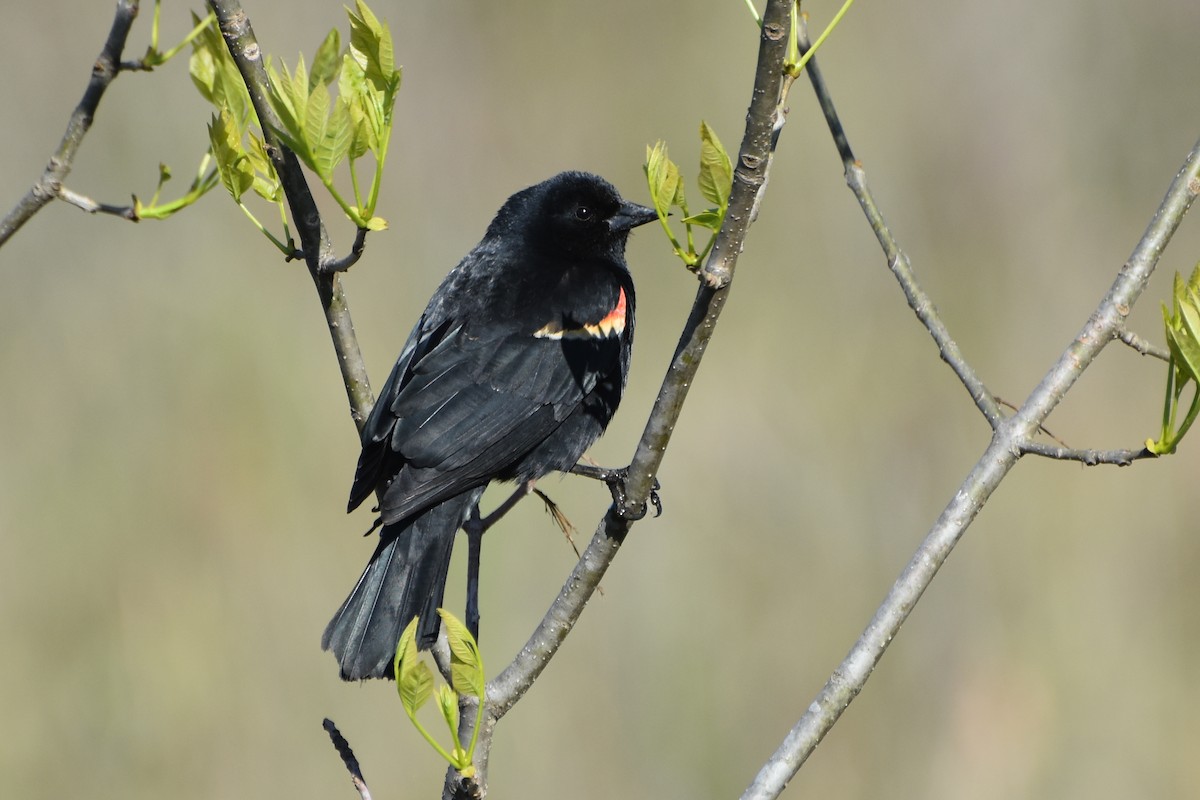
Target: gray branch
<point x="1011" y="439"/>
<point x="750" y="178"/>
<point x="50" y="185"/>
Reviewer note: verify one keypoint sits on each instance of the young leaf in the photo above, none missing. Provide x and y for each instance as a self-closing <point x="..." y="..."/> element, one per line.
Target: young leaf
<point x="215" y="75"/>
<point x="705" y="219"/>
<point x="327" y="61"/>
<point x="1183" y="340"/>
<point x="266" y="181"/>
<point x="466" y="665"/>
<point x="663" y="178"/>
<point x="716" y="172"/>
<point x="414" y="682"/>
<point x="462" y="644"/>
<point x="328" y="136"/>
<point x="289" y="106"/>
<point x="352" y="84"/>
<point x="447" y="702"/>
<point x="204" y="73"/>
<point x="237" y="173"/>
<point x="371" y="46"/>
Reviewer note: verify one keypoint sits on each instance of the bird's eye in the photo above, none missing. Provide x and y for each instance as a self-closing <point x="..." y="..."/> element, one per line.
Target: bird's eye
<point x="584" y="213"/>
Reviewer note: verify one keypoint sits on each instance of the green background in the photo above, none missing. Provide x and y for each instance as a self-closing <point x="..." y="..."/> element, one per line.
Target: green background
<point x="175" y="447"/>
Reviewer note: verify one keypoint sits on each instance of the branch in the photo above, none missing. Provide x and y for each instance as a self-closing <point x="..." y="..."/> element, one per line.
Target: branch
<point x="343" y="748"/>
<point x="95" y="207"/>
<point x="1010" y="440"/>
<point x="106" y="68"/>
<point x="898" y="262"/>
<point x="1142" y="346"/>
<point x="1090" y="458"/>
<point x="750" y="178"/>
<point x="314" y="240"/>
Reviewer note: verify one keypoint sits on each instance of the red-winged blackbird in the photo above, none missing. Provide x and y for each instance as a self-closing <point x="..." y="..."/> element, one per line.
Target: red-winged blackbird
<point x="516" y="367"/>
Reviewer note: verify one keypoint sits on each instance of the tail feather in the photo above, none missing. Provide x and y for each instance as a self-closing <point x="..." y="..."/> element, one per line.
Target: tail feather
<point x="405" y="578"/>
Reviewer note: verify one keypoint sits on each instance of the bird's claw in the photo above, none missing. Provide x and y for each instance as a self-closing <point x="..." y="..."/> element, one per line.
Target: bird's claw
<point x="616" y="480"/>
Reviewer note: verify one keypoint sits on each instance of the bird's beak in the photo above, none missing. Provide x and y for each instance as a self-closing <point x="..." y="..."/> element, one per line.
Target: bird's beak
<point x="629" y="216"/>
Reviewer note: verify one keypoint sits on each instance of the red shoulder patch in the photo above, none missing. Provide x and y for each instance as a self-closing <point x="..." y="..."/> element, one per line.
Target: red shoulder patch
<point x="611" y="324"/>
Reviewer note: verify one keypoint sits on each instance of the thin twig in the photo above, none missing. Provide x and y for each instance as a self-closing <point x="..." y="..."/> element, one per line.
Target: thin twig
<point x="897" y="260"/>
<point x="343" y="749"/>
<point x="1090" y="458"/>
<point x="349" y="260"/>
<point x="1143" y="346"/>
<point x="106" y="68"/>
<point x="94" y="207"/>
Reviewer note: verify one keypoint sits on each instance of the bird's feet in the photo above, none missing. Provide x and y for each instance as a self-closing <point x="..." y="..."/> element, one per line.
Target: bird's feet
<point x="616" y="480"/>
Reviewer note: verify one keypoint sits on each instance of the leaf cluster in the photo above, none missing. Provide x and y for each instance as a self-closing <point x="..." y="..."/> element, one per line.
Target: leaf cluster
<point x="324" y="131"/>
<point x="321" y="129"/>
<point x="236" y="143"/>
<point x="1182" y="325"/>
<point x="667" y="191"/>
<point x="414" y="683"/>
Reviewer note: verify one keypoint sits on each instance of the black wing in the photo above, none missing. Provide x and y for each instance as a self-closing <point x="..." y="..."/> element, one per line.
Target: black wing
<point x="460" y="408"/>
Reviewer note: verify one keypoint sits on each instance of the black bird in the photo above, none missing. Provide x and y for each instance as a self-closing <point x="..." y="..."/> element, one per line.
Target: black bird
<point x="515" y="368"/>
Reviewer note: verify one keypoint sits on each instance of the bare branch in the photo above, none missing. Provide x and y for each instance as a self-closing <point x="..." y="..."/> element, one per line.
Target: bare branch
<point x="93" y="207"/>
<point x="1142" y="346"/>
<point x="348" y="261"/>
<point x="1009" y="442"/>
<point x="1090" y="458"/>
<point x="750" y="176"/>
<point x="343" y="748"/>
<point x="897" y="260"/>
<point x="106" y="68"/>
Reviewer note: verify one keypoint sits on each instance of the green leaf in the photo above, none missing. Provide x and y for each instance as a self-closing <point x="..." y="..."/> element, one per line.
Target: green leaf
<point x="266" y="181"/>
<point x="716" y="171"/>
<point x="710" y="219"/>
<point x="371" y="46"/>
<point x="215" y="75"/>
<point x="377" y="224"/>
<point x="321" y="131"/>
<point x="662" y="176"/>
<point x="466" y="666"/>
<point x="352" y="84"/>
<point x="288" y="95"/>
<point x="1187" y="335"/>
<point x="233" y="165"/>
<point x="334" y="143"/>
<point x="203" y="70"/>
<point x="414" y="681"/>
<point x="327" y="61"/>
<point x="416" y="687"/>
<point x="462" y="644"/>
<point x="1182" y="329"/>
<point x="447" y="702"/>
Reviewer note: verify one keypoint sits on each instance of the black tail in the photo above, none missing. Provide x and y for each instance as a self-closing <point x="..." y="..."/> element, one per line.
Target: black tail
<point x="405" y="578"/>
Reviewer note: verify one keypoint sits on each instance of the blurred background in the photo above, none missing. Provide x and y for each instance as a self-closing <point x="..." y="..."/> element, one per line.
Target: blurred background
<point x="175" y="446"/>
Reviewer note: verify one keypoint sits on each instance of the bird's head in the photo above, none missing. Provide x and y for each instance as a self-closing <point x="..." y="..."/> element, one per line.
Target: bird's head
<point x="574" y="213"/>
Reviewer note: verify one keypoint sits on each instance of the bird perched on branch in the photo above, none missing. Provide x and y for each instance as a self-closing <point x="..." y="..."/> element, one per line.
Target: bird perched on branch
<point x="514" y="369"/>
